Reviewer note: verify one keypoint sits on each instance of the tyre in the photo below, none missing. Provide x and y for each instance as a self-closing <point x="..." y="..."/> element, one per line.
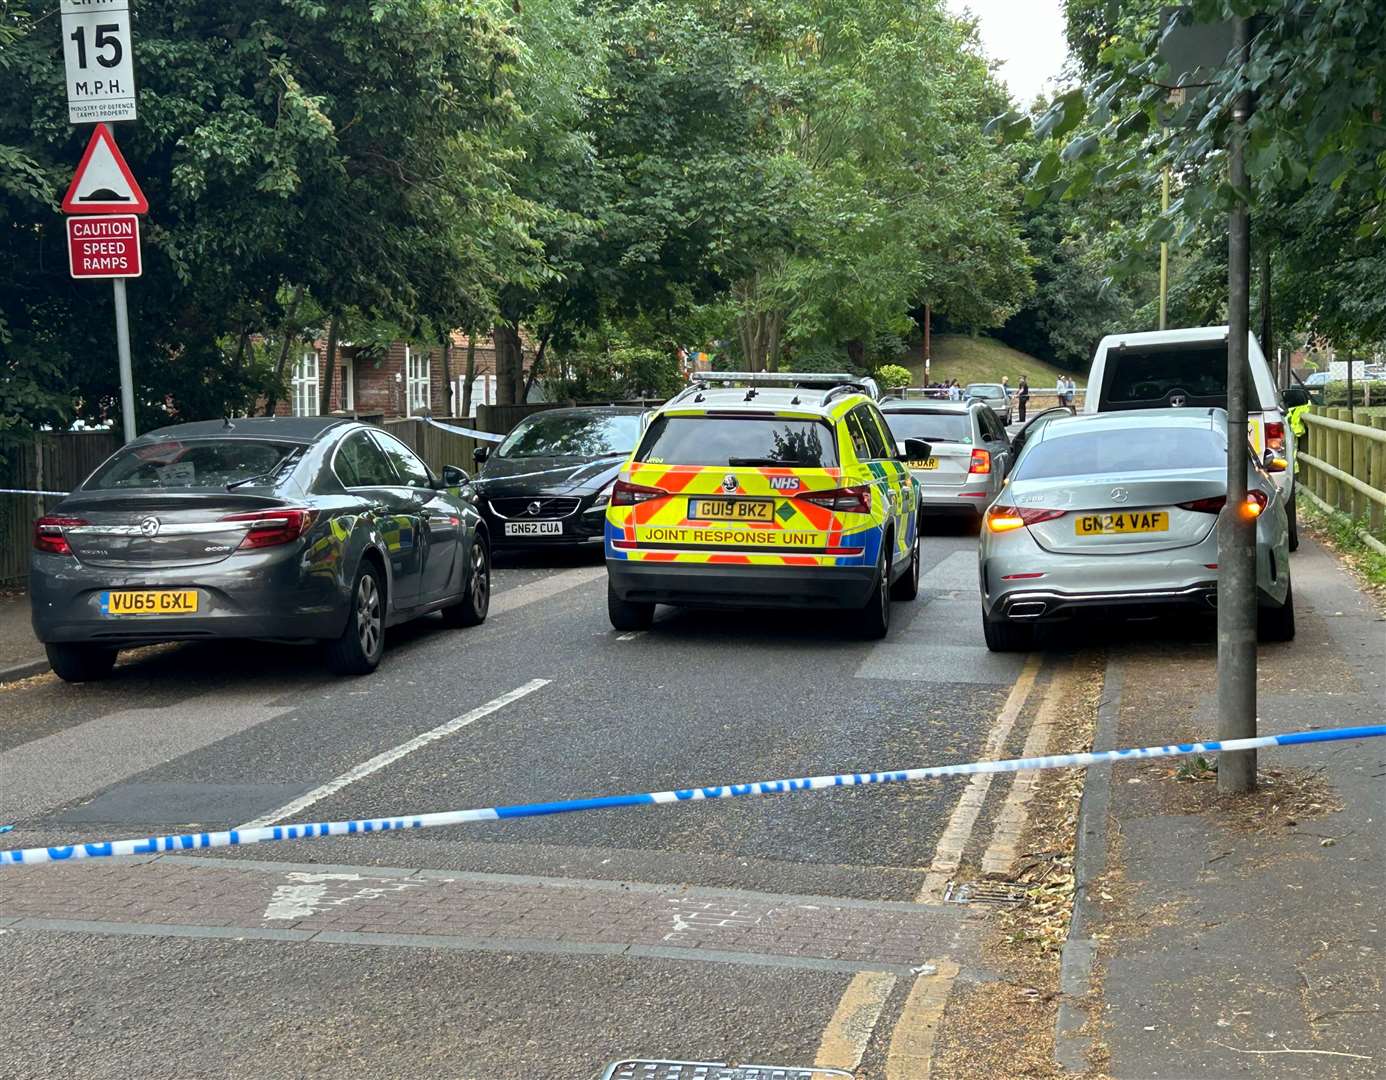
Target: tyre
<point x="476" y="598"/>
<point x="627" y="614"/>
<point x="873" y="621"/>
<point x="907" y="587"/>
<point x="1005" y="636"/>
<point x="1277" y="623"/>
<point x="1293" y="510"/>
<point x="359" y="649"/>
<point x="75" y="662"/>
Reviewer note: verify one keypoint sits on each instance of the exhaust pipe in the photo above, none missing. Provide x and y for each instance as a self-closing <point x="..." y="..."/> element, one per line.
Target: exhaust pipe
<point x="1027" y="609"/>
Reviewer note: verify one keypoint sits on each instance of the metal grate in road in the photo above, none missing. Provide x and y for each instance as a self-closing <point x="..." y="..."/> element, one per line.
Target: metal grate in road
<point x="997" y="893"/>
<point x="652" y="1069"/>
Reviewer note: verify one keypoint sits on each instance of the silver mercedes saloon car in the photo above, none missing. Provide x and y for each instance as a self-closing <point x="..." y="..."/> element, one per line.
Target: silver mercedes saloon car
<point x="300" y="529"/>
<point x="1114" y="515"/>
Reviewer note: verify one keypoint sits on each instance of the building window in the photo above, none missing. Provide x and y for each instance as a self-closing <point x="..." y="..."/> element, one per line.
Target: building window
<point x="305" y="383"/>
<point x="346" y="387"/>
<point x="416" y="374"/>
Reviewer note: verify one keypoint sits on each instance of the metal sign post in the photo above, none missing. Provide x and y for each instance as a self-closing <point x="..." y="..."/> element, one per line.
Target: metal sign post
<point x="127" y="377"/>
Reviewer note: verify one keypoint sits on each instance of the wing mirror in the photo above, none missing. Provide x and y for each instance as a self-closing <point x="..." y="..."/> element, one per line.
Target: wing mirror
<point x="913" y="450"/>
<point x="481" y="453"/>
<point x="455" y="477"/>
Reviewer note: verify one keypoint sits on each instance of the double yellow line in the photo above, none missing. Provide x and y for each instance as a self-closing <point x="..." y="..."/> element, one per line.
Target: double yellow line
<point x="911" y="1050"/>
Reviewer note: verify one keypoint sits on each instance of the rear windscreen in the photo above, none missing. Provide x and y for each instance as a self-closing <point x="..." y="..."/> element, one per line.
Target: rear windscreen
<point x="931" y="427"/>
<point x="1135" y="378"/>
<point x="732" y="441"/>
<point x="200" y="463"/>
<point x="1122" y="450"/>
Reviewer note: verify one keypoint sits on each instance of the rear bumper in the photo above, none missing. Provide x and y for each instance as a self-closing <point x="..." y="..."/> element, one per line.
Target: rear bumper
<point x="247" y="596"/>
<point x="715" y="585"/>
<point x="962" y="501"/>
<point x="1034" y="605"/>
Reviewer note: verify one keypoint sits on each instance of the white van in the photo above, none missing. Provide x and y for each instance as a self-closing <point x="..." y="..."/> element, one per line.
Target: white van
<point x="1173" y="368"/>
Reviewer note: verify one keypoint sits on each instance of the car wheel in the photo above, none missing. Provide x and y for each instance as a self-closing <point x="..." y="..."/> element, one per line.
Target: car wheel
<point x="1005" y="636"/>
<point x="873" y="623"/>
<point x="907" y="588"/>
<point x="476" y="600"/>
<point x="1293" y="509"/>
<point x="1277" y="623"/>
<point x="74" y="662"/>
<point x="359" y="649"/>
<point x="627" y="614"/>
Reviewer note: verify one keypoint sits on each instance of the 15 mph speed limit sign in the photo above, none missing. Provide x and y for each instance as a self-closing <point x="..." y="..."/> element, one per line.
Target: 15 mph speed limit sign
<point x="100" y="68"/>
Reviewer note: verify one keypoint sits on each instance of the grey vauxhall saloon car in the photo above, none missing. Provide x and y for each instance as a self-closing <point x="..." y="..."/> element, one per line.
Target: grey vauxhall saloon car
<point x="286" y="529"/>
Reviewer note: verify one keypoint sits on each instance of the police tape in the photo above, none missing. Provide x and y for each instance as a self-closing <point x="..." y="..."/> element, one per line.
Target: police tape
<point x="30" y="491"/>
<point x="153" y="845"/>
<point x="471" y="433"/>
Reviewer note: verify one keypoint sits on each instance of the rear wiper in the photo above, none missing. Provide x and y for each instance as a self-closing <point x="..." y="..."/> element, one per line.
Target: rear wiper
<point x="765" y="462"/>
<point x="273" y="474"/>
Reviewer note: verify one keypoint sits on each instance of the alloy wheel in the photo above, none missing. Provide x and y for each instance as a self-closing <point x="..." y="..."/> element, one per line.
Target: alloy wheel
<point x="481" y="579"/>
<point x="368" y="618"/>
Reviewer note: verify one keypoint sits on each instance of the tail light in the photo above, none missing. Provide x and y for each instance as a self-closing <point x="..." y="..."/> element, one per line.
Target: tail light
<point x="270" y="528"/>
<point x="1275" y="435"/>
<point x="981" y="462"/>
<point x="48" y="534"/>
<point x="1256" y="502"/>
<point x="1009" y="518"/>
<point x="848" y="500"/>
<point x="624" y="493"/>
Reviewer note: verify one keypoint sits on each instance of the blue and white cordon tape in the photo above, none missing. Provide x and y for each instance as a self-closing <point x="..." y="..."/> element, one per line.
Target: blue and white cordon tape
<point x="151" y="845"/>
<point x="471" y="433"/>
<point x="30" y="491"/>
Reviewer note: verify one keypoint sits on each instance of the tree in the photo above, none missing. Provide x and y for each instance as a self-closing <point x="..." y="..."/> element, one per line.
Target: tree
<point x="1315" y="141"/>
<point x="896" y="197"/>
<point x="355" y="150"/>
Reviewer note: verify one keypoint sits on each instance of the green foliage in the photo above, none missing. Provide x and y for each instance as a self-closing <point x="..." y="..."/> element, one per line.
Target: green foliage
<point x="615" y="369"/>
<point x="351" y="149"/>
<point x="1315" y="145"/>
<point x="893" y="376"/>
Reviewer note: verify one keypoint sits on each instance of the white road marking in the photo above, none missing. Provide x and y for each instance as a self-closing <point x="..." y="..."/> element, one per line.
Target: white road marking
<point x="309" y="895"/>
<point x="544" y="588"/>
<point x="389" y="757"/>
<point x="631" y="636"/>
<point x="951" y="845"/>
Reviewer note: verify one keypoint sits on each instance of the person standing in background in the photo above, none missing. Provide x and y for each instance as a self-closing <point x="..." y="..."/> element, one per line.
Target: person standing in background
<point x="1022" y="395"/>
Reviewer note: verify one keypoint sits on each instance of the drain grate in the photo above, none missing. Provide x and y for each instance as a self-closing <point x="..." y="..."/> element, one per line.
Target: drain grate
<point x="998" y="893"/>
<point x="651" y="1069"/>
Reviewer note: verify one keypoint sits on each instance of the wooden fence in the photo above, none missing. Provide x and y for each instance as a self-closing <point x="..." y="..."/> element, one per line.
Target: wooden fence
<point x="1346" y="459"/>
<point x="56" y="461"/>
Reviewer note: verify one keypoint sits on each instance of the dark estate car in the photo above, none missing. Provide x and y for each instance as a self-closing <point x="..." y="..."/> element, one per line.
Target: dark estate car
<point x="291" y="529"/>
<point x="548" y="483"/>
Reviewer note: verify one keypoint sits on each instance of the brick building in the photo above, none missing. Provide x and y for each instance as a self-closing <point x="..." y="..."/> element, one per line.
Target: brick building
<point x="404" y="380"/>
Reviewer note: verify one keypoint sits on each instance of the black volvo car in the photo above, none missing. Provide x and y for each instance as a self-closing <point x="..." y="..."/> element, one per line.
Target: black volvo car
<point x="300" y="529"/>
<point x="547" y="484"/>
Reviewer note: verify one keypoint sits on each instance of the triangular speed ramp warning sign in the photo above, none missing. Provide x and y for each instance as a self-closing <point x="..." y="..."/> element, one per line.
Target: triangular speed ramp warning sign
<point x="103" y="183"/>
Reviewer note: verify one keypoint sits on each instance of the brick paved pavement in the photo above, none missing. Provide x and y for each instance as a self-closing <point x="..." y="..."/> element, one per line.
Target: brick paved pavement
<point x="486" y="911"/>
